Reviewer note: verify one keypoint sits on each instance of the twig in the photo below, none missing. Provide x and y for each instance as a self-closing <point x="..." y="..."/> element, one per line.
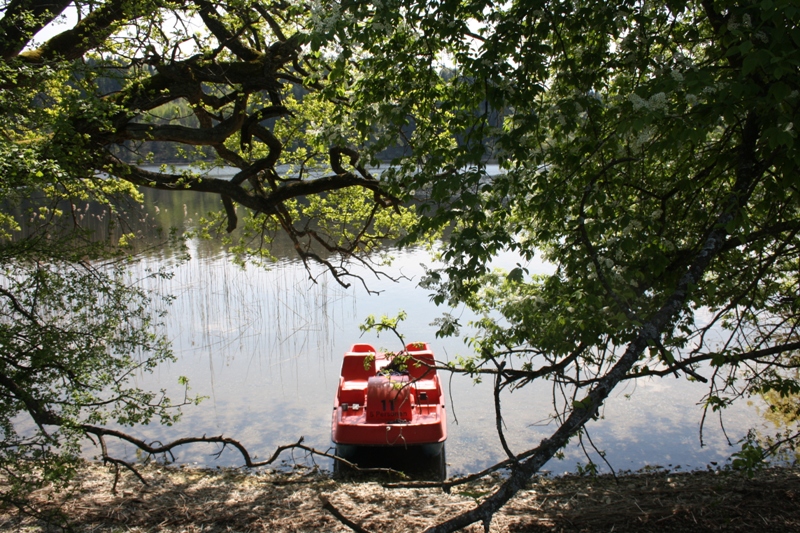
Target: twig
<point x="328" y="506"/>
<point x="497" y="411"/>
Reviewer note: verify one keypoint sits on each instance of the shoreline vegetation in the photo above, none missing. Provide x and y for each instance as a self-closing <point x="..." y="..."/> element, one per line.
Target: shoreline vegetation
<point x="193" y="500"/>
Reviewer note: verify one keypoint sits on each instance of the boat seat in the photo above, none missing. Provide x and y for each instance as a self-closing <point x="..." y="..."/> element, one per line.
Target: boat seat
<point x="425" y="384"/>
<point x="358" y="367"/>
<point x="353" y="395"/>
<point x="420" y="369"/>
<point x="362" y="348"/>
<point x="429" y="388"/>
<point x="413" y="347"/>
<point x="359" y="385"/>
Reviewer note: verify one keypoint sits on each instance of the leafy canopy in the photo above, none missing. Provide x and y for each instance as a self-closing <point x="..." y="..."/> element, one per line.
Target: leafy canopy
<point x="649" y="152"/>
<point x="99" y="100"/>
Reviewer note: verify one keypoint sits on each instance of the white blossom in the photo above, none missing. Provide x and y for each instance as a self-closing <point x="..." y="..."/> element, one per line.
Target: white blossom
<point x="642" y="137"/>
<point x="637" y="101"/>
<point x="325" y="17"/>
<point x="657" y="101"/>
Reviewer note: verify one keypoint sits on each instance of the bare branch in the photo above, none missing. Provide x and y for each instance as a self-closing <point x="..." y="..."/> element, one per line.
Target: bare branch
<point x="686" y="364"/>
<point x="653" y="328"/>
<point x="328" y="506"/>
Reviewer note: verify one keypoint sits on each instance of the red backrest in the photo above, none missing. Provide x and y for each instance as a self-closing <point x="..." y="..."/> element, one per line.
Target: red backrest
<point x="353" y="367"/>
<point x="418" y="369"/>
<point x="418" y="347"/>
<point x="361" y="348"/>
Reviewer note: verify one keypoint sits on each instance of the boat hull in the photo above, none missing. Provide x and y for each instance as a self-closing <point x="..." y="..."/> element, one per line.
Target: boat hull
<point x="425" y="462"/>
<point x="376" y="408"/>
<point x="352" y="451"/>
<point x="354" y="430"/>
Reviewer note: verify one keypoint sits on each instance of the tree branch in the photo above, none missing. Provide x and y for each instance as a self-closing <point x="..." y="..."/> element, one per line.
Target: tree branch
<point x="651" y="330"/>
<point x="328" y="506"/>
<point x="685" y="364"/>
<point x="88" y="34"/>
<point x="22" y="19"/>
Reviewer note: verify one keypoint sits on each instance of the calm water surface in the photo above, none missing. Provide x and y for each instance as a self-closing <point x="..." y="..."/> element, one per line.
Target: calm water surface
<point x="265" y="345"/>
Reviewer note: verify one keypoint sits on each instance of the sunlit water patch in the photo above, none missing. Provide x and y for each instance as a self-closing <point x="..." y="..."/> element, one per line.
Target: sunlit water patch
<point x="264" y="347"/>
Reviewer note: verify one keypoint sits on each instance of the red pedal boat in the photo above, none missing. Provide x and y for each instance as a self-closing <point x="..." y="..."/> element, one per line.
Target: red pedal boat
<point x="390" y="400"/>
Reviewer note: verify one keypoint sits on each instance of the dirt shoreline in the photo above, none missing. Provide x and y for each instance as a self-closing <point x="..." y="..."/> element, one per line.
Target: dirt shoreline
<point x="192" y="500"/>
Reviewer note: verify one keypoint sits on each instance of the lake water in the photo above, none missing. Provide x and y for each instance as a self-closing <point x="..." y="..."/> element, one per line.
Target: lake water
<point x="264" y="345"/>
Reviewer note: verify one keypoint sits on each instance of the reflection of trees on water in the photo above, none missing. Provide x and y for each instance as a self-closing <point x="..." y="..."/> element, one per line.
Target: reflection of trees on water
<point x="240" y="324"/>
<point x="185" y="211"/>
<point x="152" y="221"/>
